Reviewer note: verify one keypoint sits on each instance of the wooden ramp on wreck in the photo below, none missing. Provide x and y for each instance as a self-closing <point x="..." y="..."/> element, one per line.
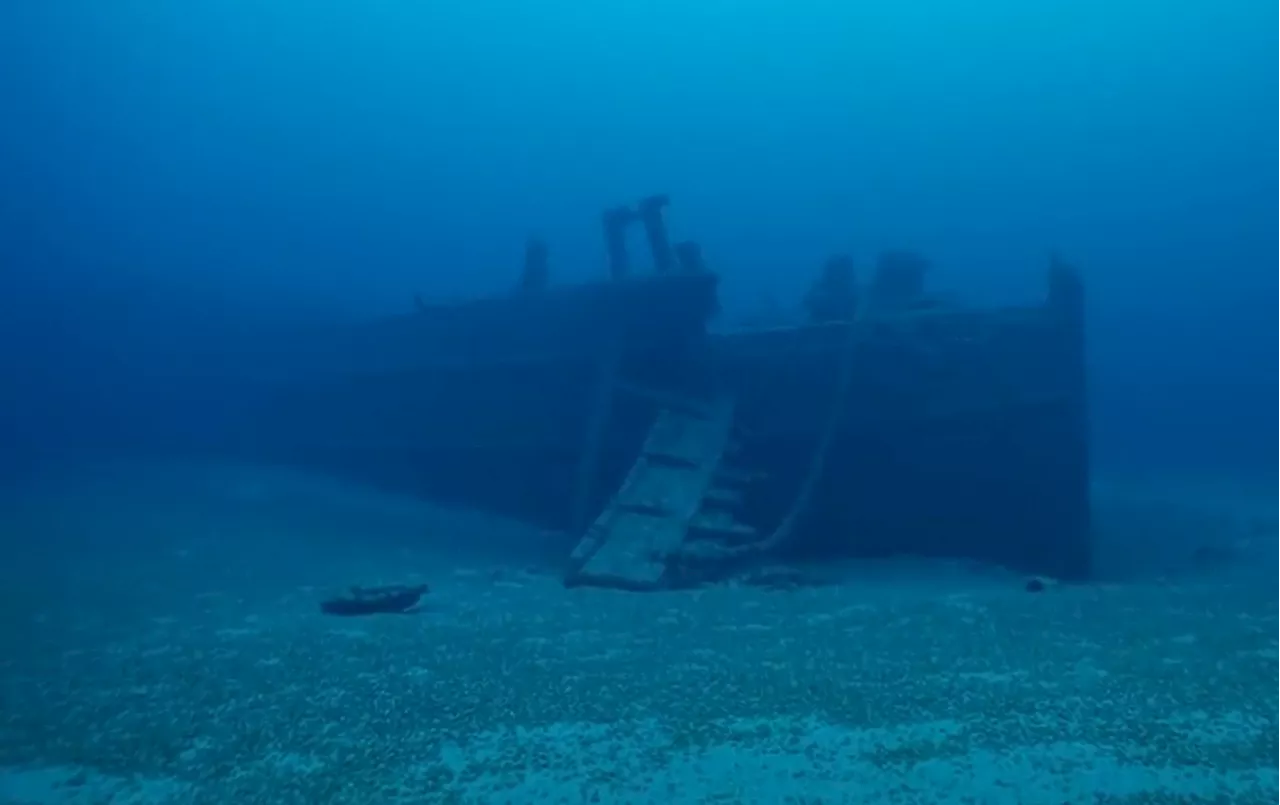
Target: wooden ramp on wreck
<point x="681" y="491"/>
<point x="679" y="456"/>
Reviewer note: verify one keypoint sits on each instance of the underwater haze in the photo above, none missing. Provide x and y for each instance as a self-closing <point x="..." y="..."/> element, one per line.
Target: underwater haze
<point x="200" y="198"/>
<point x="170" y="169"/>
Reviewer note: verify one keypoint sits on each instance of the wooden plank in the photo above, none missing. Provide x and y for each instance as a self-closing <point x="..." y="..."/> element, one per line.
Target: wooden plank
<point x="628" y="545"/>
<point x="634" y="556"/>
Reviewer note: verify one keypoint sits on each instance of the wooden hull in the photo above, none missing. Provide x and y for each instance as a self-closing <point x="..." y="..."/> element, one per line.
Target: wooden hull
<point x="962" y="434"/>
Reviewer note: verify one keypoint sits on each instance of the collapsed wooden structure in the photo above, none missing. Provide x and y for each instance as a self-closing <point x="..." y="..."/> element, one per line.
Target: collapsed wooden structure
<point x="677" y="455"/>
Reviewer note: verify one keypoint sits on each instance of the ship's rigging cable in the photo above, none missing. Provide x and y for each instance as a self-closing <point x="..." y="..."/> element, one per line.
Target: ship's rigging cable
<point x="818" y="464"/>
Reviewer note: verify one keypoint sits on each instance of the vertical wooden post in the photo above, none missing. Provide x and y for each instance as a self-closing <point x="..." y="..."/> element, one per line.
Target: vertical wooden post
<point x="615" y="223"/>
<point x="598" y="417"/>
<point x="655" y="231"/>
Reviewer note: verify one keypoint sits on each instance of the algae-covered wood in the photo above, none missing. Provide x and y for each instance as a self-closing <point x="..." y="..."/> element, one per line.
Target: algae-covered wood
<point x="629" y="545"/>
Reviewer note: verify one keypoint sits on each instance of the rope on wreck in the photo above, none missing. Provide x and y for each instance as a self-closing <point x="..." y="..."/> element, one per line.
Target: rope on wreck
<point x="818" y="464"/>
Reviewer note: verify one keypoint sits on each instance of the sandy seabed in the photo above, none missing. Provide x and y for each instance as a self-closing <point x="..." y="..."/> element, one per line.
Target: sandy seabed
<point x="160" y="643"/>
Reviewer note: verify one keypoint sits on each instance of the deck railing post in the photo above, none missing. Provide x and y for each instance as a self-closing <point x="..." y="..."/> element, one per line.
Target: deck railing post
<point x="649" y="211"/>
<point x="615" y="222"/>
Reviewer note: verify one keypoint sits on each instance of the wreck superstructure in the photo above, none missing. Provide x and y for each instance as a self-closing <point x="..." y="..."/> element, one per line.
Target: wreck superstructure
<point x="675" y="454"/>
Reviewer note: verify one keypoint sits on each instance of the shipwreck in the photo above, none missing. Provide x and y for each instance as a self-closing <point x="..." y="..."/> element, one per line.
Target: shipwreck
<point x="674" y="451"/>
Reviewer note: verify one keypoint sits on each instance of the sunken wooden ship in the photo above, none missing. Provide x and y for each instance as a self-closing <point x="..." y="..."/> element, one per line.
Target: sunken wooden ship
<point x="671" y="452"/>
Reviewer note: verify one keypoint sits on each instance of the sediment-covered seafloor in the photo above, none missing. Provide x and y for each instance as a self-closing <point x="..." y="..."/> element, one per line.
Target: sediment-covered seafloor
<point x="159" y="647"/>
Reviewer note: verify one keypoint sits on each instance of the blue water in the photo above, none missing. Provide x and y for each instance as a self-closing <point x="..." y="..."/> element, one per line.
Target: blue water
<point x="181" y="183"/>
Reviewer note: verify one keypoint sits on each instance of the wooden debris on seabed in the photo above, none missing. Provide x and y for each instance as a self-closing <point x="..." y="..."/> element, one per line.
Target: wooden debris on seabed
<point x="394" y="599"/>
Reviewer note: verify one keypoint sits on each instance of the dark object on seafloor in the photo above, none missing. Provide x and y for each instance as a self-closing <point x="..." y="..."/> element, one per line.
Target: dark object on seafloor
<point x="395" y="599"/>
<point x="1034" y="586"/>
<point x="1208" y="556"/>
